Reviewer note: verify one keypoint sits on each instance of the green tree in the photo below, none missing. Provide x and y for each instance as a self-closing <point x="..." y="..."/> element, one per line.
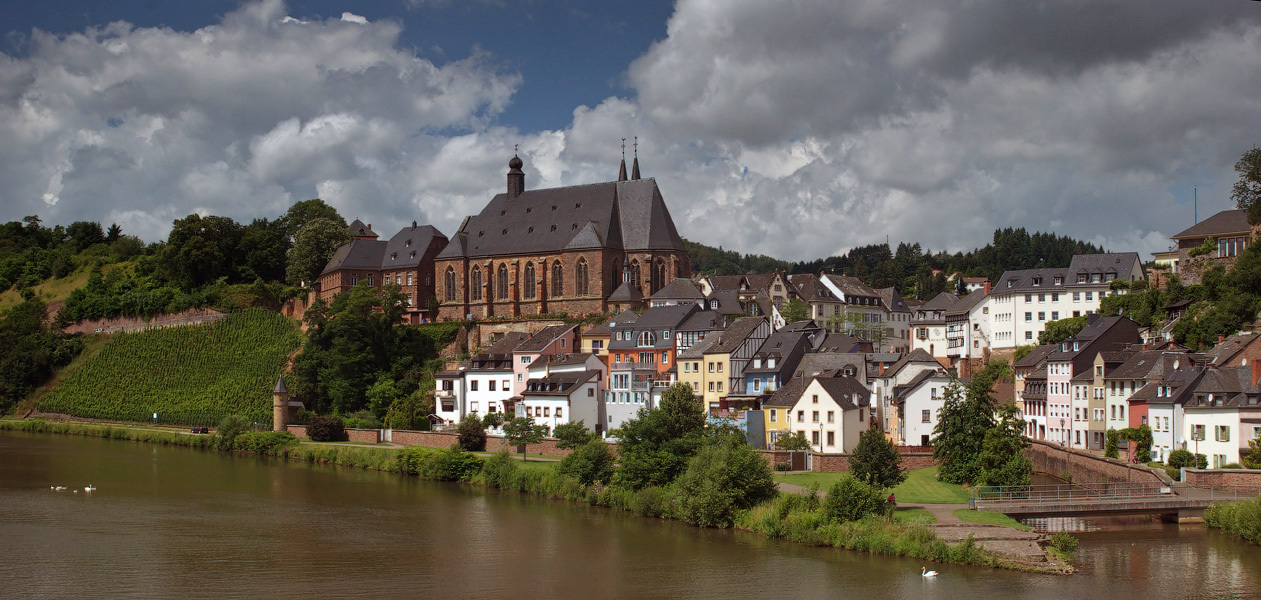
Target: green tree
<point x="306" y="211"/>
<point x="200" y="250"/>
<point x="571" y="435"/>
<point x="795" y="310"/>
<point x="470" y="435"/>
<point x="1252" y="460"/>
<point x="1002" y="460"/>
<point x="493" y="419"/>
<point x="793" y="441"/>
<point x="261" y="251"/>
<point x="520" y="431"/>
<point x="957" y="443"/>
<point x="876" y="460"/>
<point x="410" y="412"/>
<point x="1247" y="191"/>
<point x="381" y="396"/>
<point x="590" y="463"/>
<point x="230" y="427"/>
<point x="721" y="479"/>
<point x="1112" y="439"/>
<point x="1063" y="329"/>
<point x="850" y="499"/>
<point x="84" y="234"/>
<point x="655" y="446"/>
<point x="314" y="245"/>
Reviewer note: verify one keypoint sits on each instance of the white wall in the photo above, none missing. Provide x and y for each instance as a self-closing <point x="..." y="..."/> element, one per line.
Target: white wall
<point x="930" y="396"/>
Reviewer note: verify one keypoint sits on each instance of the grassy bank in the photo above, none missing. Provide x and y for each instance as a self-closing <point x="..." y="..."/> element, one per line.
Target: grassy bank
<point x="1241" y="518"/>
<point x="794" y="517"/>
<point x="921" y="486"/>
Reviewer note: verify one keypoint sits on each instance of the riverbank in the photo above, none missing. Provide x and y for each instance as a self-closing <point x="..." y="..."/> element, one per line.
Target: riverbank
<point x="788" y="516"/>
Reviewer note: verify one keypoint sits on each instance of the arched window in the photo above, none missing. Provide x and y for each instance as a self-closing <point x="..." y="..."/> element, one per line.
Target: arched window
<point x="475" y="283"/>
<point x="501" y="281"/>
<point x="530" y="284"/>
<point x="635" y="275"/>
<point x="580" y="278"/>
<point x="658" y="275"/>
<point x="448" y="282"/>
<point x="558" y="280"/>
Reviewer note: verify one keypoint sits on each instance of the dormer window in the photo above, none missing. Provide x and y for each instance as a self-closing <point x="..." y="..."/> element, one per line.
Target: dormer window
<point x="647" y="339"/>
<point x="757" y="363"/>
<point x="1081" y="278"/>
<point x="407" y="244"/>
<point x="1037" y="281"/>
<point x="770" y="362"/>
<point x="1059" y="280"/>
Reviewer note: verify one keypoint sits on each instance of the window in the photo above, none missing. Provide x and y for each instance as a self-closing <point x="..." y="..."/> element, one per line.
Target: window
<point x="711" y="386"/>
<point x="801" y="416"/>
<point x="1055" y="315"/>
<point x="580" y="278"/>
<point x="558" y="280"/>
<point x="831" y="416"/>
<point x="520" y="377"/>
<point x="475" y="283"/>
<point x="1089" y="296"/>
<point x="560" y="409"/>
<point x="531" y="283"/>
<point x="501" y="282"/>
<point x="831" y="438"/>
<point x="449" y="284"/>
<point x="1076" y="313"/>
<point x="687" y="367"/>
<point x="757" y="385"/>
<point x="711" y="367"/>
<point x="814" y="436"/>
<point x="472" y="386"/>
<point x="1028" y="335"/>
<point x="505" y="386"/>
<point x="720" y="367"/>
<point x="719" y="386"/>
<point x="1028" y="297"/>
<point x="1221" y="433"/>
<point x="1028" y="317"/>
<point x="1197" y="432"/>
<point x="529" y="411"/>
<point x="472" y="406"/>
<point x="814" y="416"/>
<point x="547" y="411"/>
<point x="1041" y="298"/>
<point x="1076" y="296"/>
<point x="1041" y="316"/>
<point x="925" y="416"/>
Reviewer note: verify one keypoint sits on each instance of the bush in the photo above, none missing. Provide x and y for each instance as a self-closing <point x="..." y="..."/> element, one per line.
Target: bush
<point x="570" y="436"/>
<point x="1240" y="518"/>
<point x="721" y="479"/>
<point x="230" y="427"/>
<point x="876" y="460"/>
<point x="361" y="419"/>
<point x="470" y="434"/>
<point x="452" y="464"/>
<point x="1208" y="247"/>
<point x="498" y="470"/>
<point x="652" y="502"/>
<point x="589" y="463"/>
<point x="326" y="429"/>
<point x="850" y="500"/>
<point x="1065" y="543"/>
<point x="1184" y="458"/>
<point x="264" y="442"/>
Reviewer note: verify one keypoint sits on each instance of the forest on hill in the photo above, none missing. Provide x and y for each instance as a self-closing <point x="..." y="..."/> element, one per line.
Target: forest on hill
<point x="910" y="267"/>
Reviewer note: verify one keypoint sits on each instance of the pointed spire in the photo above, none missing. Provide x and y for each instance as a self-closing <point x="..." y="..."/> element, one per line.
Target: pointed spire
<point x="621" y="171"/>
<point x="635" y="166"/>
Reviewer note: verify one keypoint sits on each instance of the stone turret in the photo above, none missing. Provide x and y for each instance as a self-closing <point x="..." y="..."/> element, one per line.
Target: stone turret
<point x="280" y="406"/>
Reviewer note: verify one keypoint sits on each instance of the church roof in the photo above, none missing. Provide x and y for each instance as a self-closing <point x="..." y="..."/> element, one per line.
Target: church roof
<point x="405" y="250"/>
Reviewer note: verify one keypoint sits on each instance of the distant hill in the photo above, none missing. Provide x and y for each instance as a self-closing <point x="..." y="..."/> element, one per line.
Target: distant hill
<point x="188" y="375"/>
<point x="909" y="268"/>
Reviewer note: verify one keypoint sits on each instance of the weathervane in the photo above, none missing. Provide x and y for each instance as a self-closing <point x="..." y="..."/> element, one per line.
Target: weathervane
<point x="514" y="148"/>
<point x="636" y="145"/>
<point x="623" y="148"/>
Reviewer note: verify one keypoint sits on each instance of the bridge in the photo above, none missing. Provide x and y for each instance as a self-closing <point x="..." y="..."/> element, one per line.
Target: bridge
<point x="1087" y="499"/>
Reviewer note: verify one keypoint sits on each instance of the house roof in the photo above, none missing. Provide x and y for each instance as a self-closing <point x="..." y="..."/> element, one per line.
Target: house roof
<point x="1120" y="263"/>
<point x="787" y="394"/>
<point x="507" y="343"/>
<point x="280" y="386"/>
<point x="851" y="286"/>
<point x="1227" y="349"/>
<point x="360" y="229"/>
<point x="839" y="342"/>
<point x="847" y="392"/>
<point x="544" y="338"/>
<point x="1223" y="223"/>
<point x="916" y="355"/>
<point x="736" y="334"/>
<point x="1035" y="356"/>
<point x="602" y="329"/>
<point x="813" y="364"/>
<point x="405" y="250"/>
<point x="626" y="293"/>
<point x="964" y="305"/>
<point x="681" y="288"/>
<point x="1182" y="381"/>
<point x="1229" y="386"/>
<point x="892" y="300"/>
<point x="810" y="289"/>
<point x="699" y="349"/>
<point x="560" y="360"/>
<point x="705" y="320"/>
<point x="558" y="384"/>
<point x="625" y="215"/>
<point x="900" y="391"/>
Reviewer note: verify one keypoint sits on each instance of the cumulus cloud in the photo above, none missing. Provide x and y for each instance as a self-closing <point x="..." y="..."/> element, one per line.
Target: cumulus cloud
<point x="797" y="129"/>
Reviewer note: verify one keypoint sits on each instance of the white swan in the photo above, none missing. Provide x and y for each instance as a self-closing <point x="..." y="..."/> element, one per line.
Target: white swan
<point x="59" y="488"/>
<point x="89" y="489"/>
<point x="926" y="573"/>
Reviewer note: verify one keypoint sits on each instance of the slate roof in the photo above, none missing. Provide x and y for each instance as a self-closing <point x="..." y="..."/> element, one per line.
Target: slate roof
<point x="964" y="305"/>
<point x="847" y="392"/>
<point x="892" y="300"/>
<point x="787" y="394"/>
<point x="626" y="293"/>
<point x="1225" y="350"/>
<point x="1226" y="222"/>
<point x="1230" y="387"/>
<point x="280" y="386"/>
<point x="1021" y="280"/>
<point x="1038" y="355"/>
<point x="360" y="229"/>
<point x="544" y="338"/>
<point x="699" y="349"/>
<point x="852" y="286"/>
<point x="735" y="334"/>
<point x="705" y="320"/>
<point x="1120" y="263"/>
<point x="623" y="215"/>
<point x="600" y="330"/>
<point x="839" y="342"/>
<point x="507" y="343"/>
<point x="813" y="364"/>
<point x="728" y="301"/>
<point x="561" y="360"/>
<point x="810" y="289"/>
<point x="1148" y="364"/>
<point x="558" y="384"/>
<point x="900" y="391"/>
<point x="1183" y="381"/>
<point x="405" y="250"/>
<point x="917" y="355"/>
<point x="681" y="288"/>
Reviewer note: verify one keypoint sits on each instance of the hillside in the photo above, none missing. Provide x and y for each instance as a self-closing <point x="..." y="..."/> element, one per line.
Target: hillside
<point x="188" y="375"/>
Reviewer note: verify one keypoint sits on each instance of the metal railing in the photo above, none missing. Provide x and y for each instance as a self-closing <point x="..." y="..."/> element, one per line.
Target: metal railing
<point x="1086" y="493"/>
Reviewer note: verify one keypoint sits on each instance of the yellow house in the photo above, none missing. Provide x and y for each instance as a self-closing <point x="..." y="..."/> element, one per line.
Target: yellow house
<point x="776" y="410"/>
<point x="693" y="368"/>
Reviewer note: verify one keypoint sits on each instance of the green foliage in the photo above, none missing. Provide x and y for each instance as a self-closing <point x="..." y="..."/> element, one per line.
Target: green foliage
<point x="655" y="446"/>
<point x="451" y="464"/>
<point x="572" y="435"/>
<point x="876" y="460"/>
<point x="493" y="419"/>
<point x="30" y="352"/>
<point x="1185" y="459"/>
<point x="230" y="427"/>
<point x="1247" y="191"/>
<point x="499" y="470"/>
<point x="1063" y="329"/>
<point x="1002" y="460"/>
<point x="361" y="419"/>
<point x="1208" y="247"/>
<point x="1240" y="518"/>
<point x="957" y="441"/>
<point x="1252" y="459"/>
<point x="521" y="431"/>
<point x="850" y="499"/>
<point x="470" y="435"/>
<point x="795" y="310"/>
<point x="721" y="479"/>
<point x="1112" y="440"/>
<point x="410" y="412"/>
<point x="1141" y="436"/>
<point x="1064" y="542"/>
<point x="793" y="441"/>
<point x="314" y="244"/>
<point x="589" y="463"/>
<point x="264" y="442"/>
<point x="200" y="250"/>
<point x="188" y="375"/>
<point x="326" y="429"/>
<point x="381" y="396"/>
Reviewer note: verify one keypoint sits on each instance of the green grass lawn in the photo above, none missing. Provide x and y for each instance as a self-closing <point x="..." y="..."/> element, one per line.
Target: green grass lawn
<point x="985" y="517"/>
<point x="921" y="486"/>
<point x="913" y="516"/>
<point x="538" y="464"/>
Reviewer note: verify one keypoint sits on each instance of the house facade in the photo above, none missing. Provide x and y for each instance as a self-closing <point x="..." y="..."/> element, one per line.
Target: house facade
<point x="405" y="260"/>
<point x="831" y="412"/>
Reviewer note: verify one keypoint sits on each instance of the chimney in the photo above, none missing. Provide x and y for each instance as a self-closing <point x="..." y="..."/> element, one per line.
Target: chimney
<point x="1221" y="337"/>
<point x="1256" y="372"/>
<point x="987" y="287"/>
<point x="516" y="177"/>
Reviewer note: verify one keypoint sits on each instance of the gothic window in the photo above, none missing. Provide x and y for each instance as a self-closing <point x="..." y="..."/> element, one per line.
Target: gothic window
<point x="501" y="282"/>
<point x="449" y="283"/>
<point x="635" y="275"/>
<point x="558" y="280"/>
<point x="475" y="283"/>
<point x="580" y="278"/>
<point x="659" y="275"/>
<point x="530" y="283"/>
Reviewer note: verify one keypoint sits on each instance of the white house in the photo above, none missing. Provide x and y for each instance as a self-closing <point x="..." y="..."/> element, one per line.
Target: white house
<point x="928" y="325"/>
<point x="562" y="398"/>
<point x="919" y="403"/>
<point x="552" y="340"/>
<point x="1214" y="423"/>
<point x="1164" y="400"/>
<point x="831" y="412"/>
<point x="907" y="368"/>
<point x="482" y="385"/>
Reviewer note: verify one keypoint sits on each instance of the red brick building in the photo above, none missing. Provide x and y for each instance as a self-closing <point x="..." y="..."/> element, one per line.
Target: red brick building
<point x="559" y="250"/>
<point x="406" y="260"/>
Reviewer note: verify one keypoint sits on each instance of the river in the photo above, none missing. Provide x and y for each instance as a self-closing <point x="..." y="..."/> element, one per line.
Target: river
<point x="175" y="522"/>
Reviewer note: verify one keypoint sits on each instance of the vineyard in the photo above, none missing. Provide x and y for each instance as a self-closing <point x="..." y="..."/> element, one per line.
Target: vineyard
<point x="188" y="375"/>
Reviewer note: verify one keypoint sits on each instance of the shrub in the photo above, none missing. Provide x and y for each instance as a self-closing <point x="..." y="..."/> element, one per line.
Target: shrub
<point x="229" y="428"/>
<point x="361" y="419"/>
<point x="850" y="500"/>
<point x="721" y="479"/>
<point x="326" y="429"/>
<point x="1240" y="518"/>
<point x="452" y="464"/>
<point x="1064" y="542"/>
<point x="651" y="501"/>
<point x="589" y="463"/>
<point x="570" y="436"/>
<point x="470" y="434"/>
<point x="1184" y="458"/>
<point x="1209" y="246"/>
<point x="499" y="470"/>
<point x="264" y="442"/>
<point x="876" y="460"/>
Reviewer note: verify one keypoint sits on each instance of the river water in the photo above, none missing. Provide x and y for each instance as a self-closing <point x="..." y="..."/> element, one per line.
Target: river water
<point x="175" y="522"/>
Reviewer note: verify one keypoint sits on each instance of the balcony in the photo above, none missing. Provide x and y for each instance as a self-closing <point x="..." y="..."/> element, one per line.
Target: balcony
<point x="727" y="413"/>
<point x="444" y="393"/>
<point x="632" y="366"/>
<point x="640" y="386"/>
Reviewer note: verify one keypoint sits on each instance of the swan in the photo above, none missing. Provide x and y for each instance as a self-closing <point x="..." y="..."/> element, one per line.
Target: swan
<point x="926" y="573"/>
<point x="59" y="488"/>
<point x="89" y="489"/>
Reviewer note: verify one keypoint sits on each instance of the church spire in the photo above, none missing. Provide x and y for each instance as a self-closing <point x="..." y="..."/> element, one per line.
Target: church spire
<point x="635" y="165"/>
<point x="621" y="171"/>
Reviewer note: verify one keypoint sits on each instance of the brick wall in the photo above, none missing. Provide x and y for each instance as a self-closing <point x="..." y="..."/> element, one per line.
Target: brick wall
<point x="839" y="463"/>
<point x="1229" y="477"/>
<point x="1087" y="468"/>
<point x="361" y="436"/>
<point x="444" y="439"/>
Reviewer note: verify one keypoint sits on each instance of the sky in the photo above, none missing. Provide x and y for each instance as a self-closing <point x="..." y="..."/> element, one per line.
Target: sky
<point x="798" y="128"/>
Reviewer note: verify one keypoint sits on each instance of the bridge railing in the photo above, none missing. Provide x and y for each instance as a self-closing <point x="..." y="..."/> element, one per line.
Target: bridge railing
<point x="1085" y="493"/>
<point x="1228" y="492"/>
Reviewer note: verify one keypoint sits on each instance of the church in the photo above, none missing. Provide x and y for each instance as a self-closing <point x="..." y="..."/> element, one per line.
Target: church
<point x="577" y="249"/>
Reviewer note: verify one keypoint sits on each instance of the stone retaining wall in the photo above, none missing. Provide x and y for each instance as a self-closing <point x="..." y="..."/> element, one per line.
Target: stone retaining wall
<point x="1227" y="477"/>
<point x="361" y="436"/>
<point x="1082" y="467"/>
<point x="839" y="463"/>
